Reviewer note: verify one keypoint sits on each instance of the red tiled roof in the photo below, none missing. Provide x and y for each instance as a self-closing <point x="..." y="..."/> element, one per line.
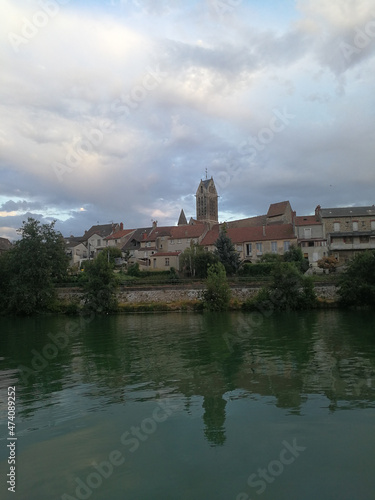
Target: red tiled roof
<point x="119" y="234"/>
<point x="306" y="220"/>
<point x="277" y="208"/>
<point x="178" y="232"/>
<point x="258" y="220"/>
<point x="249" y="234"/>
<point x="159" y="231"/>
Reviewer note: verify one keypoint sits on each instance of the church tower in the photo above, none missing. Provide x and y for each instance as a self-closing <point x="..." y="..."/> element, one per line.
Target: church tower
<point x="206" y="199"/>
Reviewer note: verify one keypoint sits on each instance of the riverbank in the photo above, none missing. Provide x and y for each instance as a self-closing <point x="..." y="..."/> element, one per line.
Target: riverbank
<point x="179" y="298"/>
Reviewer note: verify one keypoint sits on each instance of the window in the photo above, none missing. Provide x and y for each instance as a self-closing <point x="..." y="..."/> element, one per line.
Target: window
<point x="348" y="239"/>
<point x="336" y="226"/>
<point x="239" y="248"/>
<point x="178" y="241"/>
<point x="98" y="241"/>
<point x="248" y="248"/>
<point x="286" y="246"/>
<point x="171" y="242"/>
<point x="355" y="225"/>
<point x="373" y="225"/>
<point x="167" y="261"/>
<point x="259" y="248"/>
<point x="307" y="232"/>
<point x="116" y="242"/>
<point x="364" y="239"/>
<point x="274" y="246"/>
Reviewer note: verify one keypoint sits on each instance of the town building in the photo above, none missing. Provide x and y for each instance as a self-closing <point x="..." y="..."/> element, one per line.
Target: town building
<point x="349" y="230"/>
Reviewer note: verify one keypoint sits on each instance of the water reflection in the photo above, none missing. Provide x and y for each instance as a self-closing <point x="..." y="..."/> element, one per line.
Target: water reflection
<point x="118" y="359"/>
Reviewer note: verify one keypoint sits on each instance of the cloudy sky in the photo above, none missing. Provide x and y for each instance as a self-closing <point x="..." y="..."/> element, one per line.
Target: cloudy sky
<point x="112" y="110"/>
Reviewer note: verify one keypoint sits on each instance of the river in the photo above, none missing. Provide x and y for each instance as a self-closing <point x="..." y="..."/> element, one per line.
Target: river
<point x="183" y="406"/>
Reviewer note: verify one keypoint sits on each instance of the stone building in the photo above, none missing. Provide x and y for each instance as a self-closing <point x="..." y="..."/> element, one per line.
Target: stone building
<point x="348" y="230"/>
<point x="207" y="202"/>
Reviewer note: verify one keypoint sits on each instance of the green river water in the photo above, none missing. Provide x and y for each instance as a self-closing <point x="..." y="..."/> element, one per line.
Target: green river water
<point x="187" y="406"/>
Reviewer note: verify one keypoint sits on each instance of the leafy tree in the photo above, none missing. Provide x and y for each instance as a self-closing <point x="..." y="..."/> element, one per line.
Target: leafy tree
<point x="289" y="290"/>
<point x="329" y="263"/>
<point x="100" y="286"/>
<point x="31" y="267"/>
<point x="294" y="254"/>
<point x="217" y="295"/>
<point x="226" y="252"/>
<point x="270" y="257"/>
<point x="194" y="261"/>
<point x="133" y="270"/>
<point x="110" y="254"/>
<point x="357" y="283"/>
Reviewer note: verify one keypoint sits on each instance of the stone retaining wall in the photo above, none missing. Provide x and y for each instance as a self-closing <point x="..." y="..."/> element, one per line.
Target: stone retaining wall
<point x="133" y="295"/>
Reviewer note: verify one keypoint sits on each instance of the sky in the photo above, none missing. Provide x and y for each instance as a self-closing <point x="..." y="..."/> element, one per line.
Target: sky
<point x="114" y="110"/>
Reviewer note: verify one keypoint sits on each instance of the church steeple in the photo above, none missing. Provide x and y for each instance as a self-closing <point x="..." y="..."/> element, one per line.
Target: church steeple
<point x="182" y="219"/>
<point x="206" y="201"/>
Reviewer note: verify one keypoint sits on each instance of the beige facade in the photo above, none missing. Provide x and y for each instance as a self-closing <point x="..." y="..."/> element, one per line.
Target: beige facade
<point x="349" y="230"/>
<point x="164" y="261"/>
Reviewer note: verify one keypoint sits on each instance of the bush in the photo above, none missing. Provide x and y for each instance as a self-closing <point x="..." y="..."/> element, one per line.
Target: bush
<point x="133" y="270"/>
<point x="255" y="270"/>
<point x="217" y="295"/>
<point x="357" y="283"/>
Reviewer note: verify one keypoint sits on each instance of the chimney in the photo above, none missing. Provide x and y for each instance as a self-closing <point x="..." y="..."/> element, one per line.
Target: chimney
<point x="154" y="223"/>
<point x="317" y="210"/>
<point x="121" y="226"/>
<point x="144" y="235"/>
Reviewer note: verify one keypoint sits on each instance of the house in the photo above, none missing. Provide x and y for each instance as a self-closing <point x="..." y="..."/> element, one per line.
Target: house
<point x="119" y="238"/>
<point x="252" y="242"/>
<point x="94" y="238"/>
<point x="349" y="230"/>
<point x="165" y="260"/>
<point x="75" y="250"/>
<point x="310" y="237"/>
<point x="132" y="245"/>
<point x="181" y="237"/>
<point x="5" y="245"/>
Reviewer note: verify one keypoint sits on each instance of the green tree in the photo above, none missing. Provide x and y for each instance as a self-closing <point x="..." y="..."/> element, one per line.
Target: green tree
<point x="226" y="252"/>
<point x="194" y="261"/>
<point x="357" y="282"/>
<point x="294" y="254"/>
<point x="31" y="267"/>
<point x="290" y="290"/>
<point x="101" y="285"/>
<point x="217" y="295"/>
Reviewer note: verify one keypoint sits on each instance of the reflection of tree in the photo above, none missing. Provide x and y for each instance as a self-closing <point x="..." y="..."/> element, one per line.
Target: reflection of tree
<point x="214" y="419"/>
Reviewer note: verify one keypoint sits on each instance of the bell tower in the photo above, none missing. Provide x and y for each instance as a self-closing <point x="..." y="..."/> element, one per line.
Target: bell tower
<point x="207" y="201"/>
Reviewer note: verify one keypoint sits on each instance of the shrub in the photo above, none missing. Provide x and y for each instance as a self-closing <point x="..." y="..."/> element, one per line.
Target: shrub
<point x="357" y="283"/>
<point x="133" y="270"/>
<point x="217" y="295"/>
<point x="255" y="270"/>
